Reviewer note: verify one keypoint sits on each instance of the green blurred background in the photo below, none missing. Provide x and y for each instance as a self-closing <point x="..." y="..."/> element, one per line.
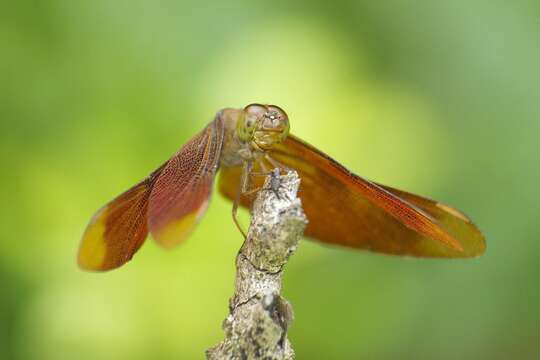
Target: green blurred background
<point x="439" y="98"/>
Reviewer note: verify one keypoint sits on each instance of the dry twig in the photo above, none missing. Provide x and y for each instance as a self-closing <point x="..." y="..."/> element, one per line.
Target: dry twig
<point x="256" y="327"/>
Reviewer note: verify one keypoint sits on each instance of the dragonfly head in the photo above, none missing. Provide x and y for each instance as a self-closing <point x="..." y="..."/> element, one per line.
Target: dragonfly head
<point x="262" y="125"/>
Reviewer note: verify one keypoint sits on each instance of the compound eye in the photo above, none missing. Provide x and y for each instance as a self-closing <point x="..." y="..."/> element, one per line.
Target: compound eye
<point x="278" y="113"/>
<point x="254" y="112"/>
<point x="275" y="118"/>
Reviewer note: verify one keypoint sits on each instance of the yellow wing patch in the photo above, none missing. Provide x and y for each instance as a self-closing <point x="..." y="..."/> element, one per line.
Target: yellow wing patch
<point x="93" y="248"/>
<point x="177" y="231"/>
<point x="116" y="231"/>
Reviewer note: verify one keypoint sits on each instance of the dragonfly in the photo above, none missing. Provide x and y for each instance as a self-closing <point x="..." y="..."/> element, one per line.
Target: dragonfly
<point x="243" y="144"/>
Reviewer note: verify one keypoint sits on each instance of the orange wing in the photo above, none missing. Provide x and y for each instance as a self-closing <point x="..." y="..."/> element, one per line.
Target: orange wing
<point x="181" y="193"/>
<point x="118" y="229"/>
<point x="169" y="203"/>
<point x="348" y="210"/>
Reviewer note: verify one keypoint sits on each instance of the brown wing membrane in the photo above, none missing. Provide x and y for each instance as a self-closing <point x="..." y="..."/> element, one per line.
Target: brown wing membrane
<point x="348" y="210"/>
<point x="180" y="194"/>
<point x="169" y="203"/>
<point x="118" y="229"/>
<point x="457" y="223"/>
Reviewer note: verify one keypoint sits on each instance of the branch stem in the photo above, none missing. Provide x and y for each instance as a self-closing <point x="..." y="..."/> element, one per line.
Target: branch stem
<point x="259" y="317"/>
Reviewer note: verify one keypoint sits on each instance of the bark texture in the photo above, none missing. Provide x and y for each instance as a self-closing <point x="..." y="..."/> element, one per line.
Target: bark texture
<point x="259" y="317"/>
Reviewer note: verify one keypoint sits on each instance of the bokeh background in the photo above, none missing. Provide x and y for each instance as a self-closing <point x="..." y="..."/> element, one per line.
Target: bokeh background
<point x="439" y="98"/>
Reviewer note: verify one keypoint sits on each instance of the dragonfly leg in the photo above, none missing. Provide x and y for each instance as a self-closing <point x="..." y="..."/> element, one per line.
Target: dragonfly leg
<point x="251" y="191"/>
<point x="263" y="167"/>
<point x="242" y="189"/>
<point x="275" y="163"/>
<point x="264" y="170"/>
